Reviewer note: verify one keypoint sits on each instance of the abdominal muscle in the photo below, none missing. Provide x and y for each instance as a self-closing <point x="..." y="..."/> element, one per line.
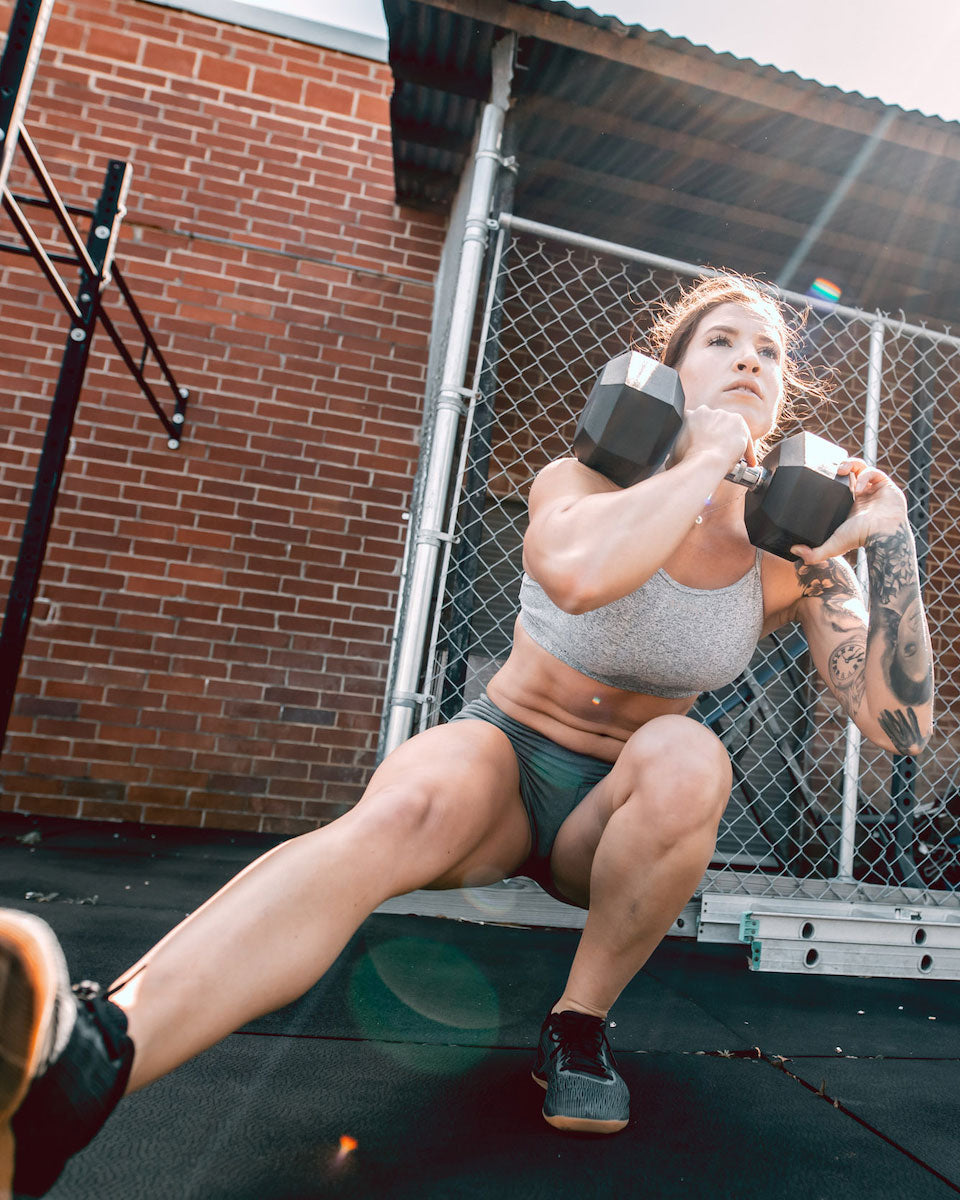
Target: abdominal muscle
<point x="572" y="709"/>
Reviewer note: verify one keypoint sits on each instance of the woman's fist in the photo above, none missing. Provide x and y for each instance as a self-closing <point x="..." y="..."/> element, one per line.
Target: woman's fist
<point x="716" y="430"/>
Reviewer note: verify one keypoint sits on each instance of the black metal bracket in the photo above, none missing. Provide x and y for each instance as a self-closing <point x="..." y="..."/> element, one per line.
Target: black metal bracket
<point x="28" y="26"/>
<point x="85" y="258"/>
<point x="94" y="260"/>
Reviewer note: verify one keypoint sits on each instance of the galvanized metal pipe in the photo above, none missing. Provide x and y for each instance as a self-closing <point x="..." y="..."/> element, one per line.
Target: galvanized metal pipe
<point x="404" y="698"/>
<point x="851" y="757"/>
<point x="465" y="448"/>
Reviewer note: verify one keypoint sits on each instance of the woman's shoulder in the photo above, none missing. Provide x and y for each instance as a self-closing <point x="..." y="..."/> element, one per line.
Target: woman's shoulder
<point x="568" y="476"/>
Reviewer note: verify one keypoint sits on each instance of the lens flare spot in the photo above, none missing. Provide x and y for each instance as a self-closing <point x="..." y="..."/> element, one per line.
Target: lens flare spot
<point x="439" y="982"/>
<point x="341" y="1159"/>
<point x="595" y="700"/>
<point x="408" y="991"/>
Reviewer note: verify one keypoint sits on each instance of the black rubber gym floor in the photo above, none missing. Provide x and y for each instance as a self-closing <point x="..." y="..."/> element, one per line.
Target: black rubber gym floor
<point x="417" y="1046"/>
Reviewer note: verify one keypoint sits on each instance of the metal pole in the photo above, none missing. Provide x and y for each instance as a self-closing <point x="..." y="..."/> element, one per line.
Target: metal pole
<point x="462" y="589"/>
<point x="463" y="592"/>
<point x="903" y="782"/>
<point x="851" y="758"/>
<point x="36" y="530"/>
<point x="450" y="406"/>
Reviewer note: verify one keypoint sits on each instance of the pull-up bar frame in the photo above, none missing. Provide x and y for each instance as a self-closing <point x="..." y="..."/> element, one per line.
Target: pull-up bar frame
<point x="94" y="258"/>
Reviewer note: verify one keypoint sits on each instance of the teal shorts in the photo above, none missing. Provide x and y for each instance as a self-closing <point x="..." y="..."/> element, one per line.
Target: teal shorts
<point x="553" y="781"/>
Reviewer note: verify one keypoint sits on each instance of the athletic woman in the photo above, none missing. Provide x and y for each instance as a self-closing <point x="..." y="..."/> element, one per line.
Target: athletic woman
<point x="580" y="765"/>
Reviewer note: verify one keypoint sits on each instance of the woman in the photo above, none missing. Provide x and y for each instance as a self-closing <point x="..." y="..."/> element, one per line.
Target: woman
<point x="580" y="766"/>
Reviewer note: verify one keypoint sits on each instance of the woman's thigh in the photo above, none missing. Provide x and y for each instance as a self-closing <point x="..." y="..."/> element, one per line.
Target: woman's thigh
<point x="450" y="797"/>
<point x="674" y="767"/>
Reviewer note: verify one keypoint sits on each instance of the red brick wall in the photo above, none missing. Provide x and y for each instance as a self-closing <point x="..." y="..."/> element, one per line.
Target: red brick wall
<point x="211" y="638"/>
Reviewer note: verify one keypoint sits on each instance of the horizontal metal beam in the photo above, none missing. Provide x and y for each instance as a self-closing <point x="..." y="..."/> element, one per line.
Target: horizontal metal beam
<point x="47" y="186"/>
<point x="43" y="260"/>
<point x="566" y="237"/>
<point x="65" y="260"/>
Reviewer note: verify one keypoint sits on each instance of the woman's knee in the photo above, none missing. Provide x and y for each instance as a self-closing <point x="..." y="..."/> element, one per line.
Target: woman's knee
<point x="402" y="815"/>
<point x="679" y="777"/>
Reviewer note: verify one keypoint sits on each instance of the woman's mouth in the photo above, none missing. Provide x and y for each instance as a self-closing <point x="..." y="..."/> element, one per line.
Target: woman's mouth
<point x="745" y="387"/>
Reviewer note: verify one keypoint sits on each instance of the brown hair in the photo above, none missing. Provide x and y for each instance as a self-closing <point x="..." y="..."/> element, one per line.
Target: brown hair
<point x="674" y="328"/>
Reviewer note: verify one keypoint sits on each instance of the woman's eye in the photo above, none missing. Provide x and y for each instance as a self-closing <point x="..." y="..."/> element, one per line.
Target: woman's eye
<point x="720" y="339"/>
<point x="771" y="352"/>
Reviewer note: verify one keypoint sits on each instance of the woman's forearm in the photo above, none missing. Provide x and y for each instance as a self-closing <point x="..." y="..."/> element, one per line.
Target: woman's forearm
<point x="899" y="661"/>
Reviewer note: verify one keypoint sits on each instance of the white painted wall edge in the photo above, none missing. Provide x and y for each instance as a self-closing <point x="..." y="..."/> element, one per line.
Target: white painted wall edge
<point x="299" y="29"/>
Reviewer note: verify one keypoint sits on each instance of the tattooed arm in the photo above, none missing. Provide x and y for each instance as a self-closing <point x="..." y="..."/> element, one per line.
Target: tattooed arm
<point x="881" y="671"/>
<point x="899" y="657"/>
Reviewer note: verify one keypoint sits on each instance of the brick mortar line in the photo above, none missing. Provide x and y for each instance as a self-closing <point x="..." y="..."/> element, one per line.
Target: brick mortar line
<point x="211" y="239"/>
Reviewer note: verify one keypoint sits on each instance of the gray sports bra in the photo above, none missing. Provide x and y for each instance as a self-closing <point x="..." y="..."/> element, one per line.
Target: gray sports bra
<point x="664" y="639"/>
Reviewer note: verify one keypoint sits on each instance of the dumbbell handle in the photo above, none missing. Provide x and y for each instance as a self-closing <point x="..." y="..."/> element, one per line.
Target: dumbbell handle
<point x="752" y="478"/>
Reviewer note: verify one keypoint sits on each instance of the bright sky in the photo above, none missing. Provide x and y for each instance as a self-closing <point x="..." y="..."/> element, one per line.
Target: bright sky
<point x="903" y="51"/>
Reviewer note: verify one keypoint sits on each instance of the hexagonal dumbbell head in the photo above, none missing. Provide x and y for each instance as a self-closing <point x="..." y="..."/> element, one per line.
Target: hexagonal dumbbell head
<point x="804" y="501"/>
<point x="631" y="418"/>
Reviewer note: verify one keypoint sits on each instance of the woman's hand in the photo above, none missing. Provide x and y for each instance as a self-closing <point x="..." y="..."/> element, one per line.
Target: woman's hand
<point x="879" y="507"/>
<point x="718" y="431"/>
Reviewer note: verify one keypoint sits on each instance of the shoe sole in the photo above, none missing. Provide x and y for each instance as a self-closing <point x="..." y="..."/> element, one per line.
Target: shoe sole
<point x="30" y="969"/>
<point x="578" y="1124"/>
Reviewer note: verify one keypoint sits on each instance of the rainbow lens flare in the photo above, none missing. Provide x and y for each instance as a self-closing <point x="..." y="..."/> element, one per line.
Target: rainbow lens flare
<point x="825" y="289"/>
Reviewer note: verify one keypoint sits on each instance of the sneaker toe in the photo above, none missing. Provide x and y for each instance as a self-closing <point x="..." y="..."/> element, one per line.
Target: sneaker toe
<point x="587" y="1104"/>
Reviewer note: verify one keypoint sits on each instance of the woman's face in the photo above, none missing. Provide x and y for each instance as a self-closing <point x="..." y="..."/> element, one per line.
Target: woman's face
<point x="734" y="360"/>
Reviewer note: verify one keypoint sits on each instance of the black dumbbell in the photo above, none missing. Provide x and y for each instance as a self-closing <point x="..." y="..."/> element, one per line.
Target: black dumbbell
<point x="633" y="417"/>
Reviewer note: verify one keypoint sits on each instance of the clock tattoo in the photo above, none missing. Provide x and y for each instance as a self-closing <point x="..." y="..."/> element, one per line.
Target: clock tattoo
<point x="848" y="675"/>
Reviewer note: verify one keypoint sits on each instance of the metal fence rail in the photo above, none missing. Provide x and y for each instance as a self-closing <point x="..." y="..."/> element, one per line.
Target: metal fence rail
<point x="813" y="811"/>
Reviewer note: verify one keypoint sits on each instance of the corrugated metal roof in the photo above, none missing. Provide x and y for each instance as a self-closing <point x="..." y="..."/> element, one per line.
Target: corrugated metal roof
<point x="639" y="144"/>
<point x="611" y="24"/>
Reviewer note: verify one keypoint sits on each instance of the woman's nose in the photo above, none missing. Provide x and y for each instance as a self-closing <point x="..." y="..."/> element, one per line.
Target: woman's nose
<point x="748" y="362"/>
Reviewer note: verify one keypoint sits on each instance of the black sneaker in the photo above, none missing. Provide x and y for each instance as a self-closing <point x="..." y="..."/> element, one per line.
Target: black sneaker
<point x="575" y="1065"/>
<point x="64" y="1058"/>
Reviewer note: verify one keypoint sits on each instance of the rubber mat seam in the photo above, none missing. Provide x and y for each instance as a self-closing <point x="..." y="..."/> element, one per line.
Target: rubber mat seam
<point x="836" y="1104"/>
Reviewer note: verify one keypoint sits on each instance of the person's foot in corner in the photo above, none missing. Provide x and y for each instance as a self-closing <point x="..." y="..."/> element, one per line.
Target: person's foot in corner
<point x="65" y="1058"/>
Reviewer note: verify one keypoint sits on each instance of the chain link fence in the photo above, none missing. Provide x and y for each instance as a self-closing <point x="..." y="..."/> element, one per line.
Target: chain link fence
<point x="558" y="307"/>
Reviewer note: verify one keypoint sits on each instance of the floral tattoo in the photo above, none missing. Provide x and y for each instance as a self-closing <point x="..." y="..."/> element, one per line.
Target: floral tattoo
<point x="890" y="564"/>
<point x="834" y="583"/>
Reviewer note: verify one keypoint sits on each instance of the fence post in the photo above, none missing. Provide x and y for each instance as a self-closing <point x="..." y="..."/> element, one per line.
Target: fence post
<point x="463" y="578"/>
<point x="903" y="782"/>
<point x="405" y="696"/>
<point x="851" y="758"/>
